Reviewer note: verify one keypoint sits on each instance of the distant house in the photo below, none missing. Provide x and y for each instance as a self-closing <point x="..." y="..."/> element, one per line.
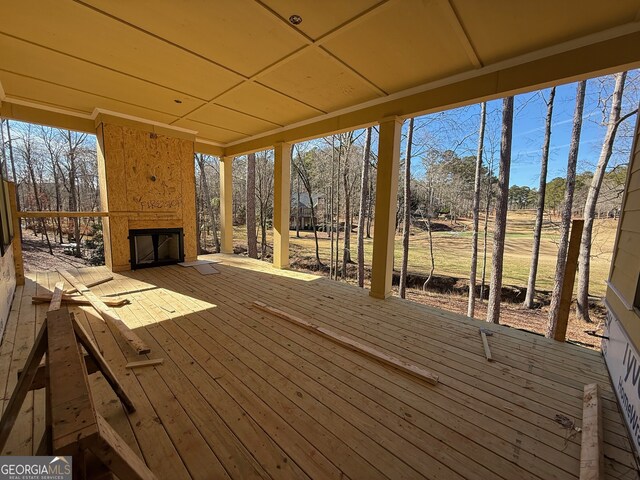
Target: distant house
<point x="301" y="211"/>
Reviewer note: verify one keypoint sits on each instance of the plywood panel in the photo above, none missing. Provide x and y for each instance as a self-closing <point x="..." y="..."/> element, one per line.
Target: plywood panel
<point x="320" y="18"/>
<point x="266" y="104"/>
<point x="63" y="69"/>
<point x="508" y="31"/>
<point x="188" y="200"/>
<point x="219" y="116"/>
<point x="74" y="29"/>
<point x="401" y="47"/>
<point x="319" y="80"/>
<point x="150" y="183"/>
<point x="212" y="29"/>
<point x="21" y="87"/>
<point x="153" y="175"/>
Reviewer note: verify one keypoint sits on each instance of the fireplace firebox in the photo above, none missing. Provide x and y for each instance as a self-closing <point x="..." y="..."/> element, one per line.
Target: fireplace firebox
<point x="156" y="247"/>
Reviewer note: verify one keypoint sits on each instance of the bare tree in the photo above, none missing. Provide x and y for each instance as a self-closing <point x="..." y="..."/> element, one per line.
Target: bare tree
<point x="73" y="142"/>
<point x="264" y="194"/>
<point x="407" y="212"/>
<point x="567" y="209"/>
<point x="54" y="150"/>
<point x="537" y="230"/>
<point x="252" y="239"/>
<point x="582" y="307"/>
<point x="28" y="153"/>
<point x="495" y="289"/>
<point x="208" y="201"/>
<point x="364" y="201"/>
<point x="303" y="169"/>
<point x="476" y="213"/>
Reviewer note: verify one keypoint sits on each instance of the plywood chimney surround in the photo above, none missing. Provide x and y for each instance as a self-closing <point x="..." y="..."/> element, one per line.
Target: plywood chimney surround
<point x="147" y="180"/>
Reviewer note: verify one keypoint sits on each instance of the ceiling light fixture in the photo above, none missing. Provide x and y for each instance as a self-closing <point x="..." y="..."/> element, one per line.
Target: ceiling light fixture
<point x="295" y="19"/>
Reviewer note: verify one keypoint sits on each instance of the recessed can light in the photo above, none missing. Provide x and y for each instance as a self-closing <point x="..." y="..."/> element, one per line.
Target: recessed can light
<point x="295" y="19"/>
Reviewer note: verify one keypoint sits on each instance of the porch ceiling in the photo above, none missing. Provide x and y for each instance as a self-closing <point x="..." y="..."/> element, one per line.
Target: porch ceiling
<point x="233" y="70"/>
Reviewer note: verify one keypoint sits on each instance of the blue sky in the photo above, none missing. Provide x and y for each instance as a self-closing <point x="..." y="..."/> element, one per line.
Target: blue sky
<point x="528" y="130"/>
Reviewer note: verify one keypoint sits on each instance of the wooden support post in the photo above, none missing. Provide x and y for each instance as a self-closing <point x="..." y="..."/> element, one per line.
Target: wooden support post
<point x="386" y="205"/>
<point x="16" y="244"/>
<point x="281" y="204"/>
<point x="405" y="367"/>
<point x="108" y="314"/>
<point x="591" y="452"/>
<point x="566" y="295"/>
<point x="226" y="204"/>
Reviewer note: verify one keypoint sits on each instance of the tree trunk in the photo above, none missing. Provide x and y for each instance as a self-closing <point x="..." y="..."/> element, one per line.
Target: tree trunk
<point x="370" y="206"/>
<point x="58" y="221"/>
<point x="346" y="251"/>
<point x="582" y="307"/>
<point x="406" y="224"/>
<point x="36" y="195"/>
<point x="364" y="200"/>
<point x="433" y="260"/>
<point x="208" y="203"/>
<point x="252" y="240"/>
<point x="567" y="210"/>
<point x="297" y="211"/>
<point x="537" y="230"/>
<point x="476" y="214"/>
<point x="500" y="228"/>
<point x="13" y="166"/>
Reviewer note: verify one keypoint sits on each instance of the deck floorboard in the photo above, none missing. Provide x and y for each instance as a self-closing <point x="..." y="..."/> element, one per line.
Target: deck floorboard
<point x="244" y="394"/>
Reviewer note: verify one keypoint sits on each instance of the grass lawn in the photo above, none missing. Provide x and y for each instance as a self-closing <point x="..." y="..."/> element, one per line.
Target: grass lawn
<point x="452" y="250"/>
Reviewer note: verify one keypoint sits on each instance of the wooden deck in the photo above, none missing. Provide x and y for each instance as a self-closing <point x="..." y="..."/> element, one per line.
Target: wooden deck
<point x="243" y="394"/>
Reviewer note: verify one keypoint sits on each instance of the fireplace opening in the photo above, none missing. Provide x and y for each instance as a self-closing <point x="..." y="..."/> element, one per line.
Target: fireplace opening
<point x="156" y="247"/>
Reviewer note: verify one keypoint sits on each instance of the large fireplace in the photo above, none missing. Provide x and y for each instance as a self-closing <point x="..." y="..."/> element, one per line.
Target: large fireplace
<point x="156" y="247"/>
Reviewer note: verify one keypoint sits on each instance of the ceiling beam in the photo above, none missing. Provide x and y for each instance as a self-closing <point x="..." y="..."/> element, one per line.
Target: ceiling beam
<point x="589" y="57"/>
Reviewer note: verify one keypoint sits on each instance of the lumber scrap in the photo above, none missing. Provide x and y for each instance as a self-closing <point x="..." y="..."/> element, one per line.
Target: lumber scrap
<point x="78" y="300"/>
<point x="108" y="315"/>
<point x="406" y="367"/>
<point x="95" y="283"/>
<point x="56" y="297"/>
<point x="101" y="363"/>
<point x="591" y="452"/>
<point x="145" y="363"/>
<point x="485" y="343"/>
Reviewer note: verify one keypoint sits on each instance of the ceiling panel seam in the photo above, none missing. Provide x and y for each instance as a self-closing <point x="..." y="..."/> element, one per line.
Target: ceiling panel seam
<point x="461" y="33"/>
